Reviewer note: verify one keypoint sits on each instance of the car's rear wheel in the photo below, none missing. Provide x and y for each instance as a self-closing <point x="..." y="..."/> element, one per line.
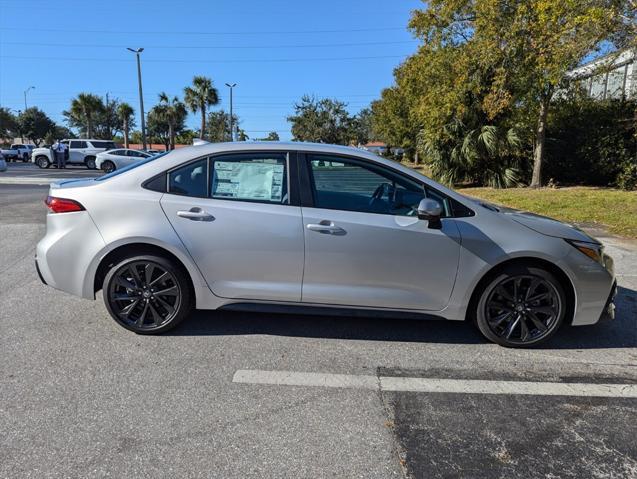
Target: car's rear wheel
<point x="108" y="166"/>
<point x="147" y="294"/>
<point x="42" y="162"/>
<point x="521" y="306"/>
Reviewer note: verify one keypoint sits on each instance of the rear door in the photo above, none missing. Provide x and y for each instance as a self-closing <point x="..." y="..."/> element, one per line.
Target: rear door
<point x="235" y="215"/>
<point x="364" y="243"/>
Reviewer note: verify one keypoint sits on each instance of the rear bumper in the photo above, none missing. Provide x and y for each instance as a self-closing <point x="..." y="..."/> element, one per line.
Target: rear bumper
<point x="66" y="253"/>
<point x="37" y="268"/>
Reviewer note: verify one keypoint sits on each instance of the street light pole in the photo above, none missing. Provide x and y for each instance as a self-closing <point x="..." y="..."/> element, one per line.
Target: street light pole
<point x="25" y="96"/>
<point x="141" y="94"/>
<point x="231" y="86"/>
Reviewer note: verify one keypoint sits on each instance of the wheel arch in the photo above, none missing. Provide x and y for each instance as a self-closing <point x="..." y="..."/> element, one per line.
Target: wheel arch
<point x="134" y="249"/>
<point x="561" y="276"/>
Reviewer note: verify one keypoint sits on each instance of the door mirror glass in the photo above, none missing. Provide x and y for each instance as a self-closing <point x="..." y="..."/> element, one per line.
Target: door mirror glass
<point x="430" y="210"/>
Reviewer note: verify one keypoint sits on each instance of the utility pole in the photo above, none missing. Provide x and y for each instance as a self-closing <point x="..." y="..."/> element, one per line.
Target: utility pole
<point x="25" y="96"/>
<point x="108" y="116"/>
<point x="231" y="86"/>
<point x="141" y="94"/>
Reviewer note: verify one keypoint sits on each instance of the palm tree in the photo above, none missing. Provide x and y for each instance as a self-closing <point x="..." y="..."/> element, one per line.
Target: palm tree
<point x="488" y="155"/>
<point x="85" y="108"/>
<point x="173" y="112"/>
<point x="125" y="114"/>
<point x="199" y="97"/>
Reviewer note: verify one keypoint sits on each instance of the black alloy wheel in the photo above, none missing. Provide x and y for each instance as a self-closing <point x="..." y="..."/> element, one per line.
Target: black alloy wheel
<point x="108" y="166"/>
<point x="147" y="294"/>
<point x="521" y="307"/>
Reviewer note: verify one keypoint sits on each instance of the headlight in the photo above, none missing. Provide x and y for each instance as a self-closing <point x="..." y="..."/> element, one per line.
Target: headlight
<point x="594" y="251"/>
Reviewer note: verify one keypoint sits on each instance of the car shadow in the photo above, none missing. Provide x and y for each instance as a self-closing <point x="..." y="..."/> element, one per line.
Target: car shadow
<point x="620" y="333"/>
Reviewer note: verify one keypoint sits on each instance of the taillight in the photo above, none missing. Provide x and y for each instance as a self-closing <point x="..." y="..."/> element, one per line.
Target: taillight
<point x="62" y="205"/>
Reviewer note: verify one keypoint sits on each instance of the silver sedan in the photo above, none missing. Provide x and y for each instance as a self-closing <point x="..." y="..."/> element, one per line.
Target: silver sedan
<point x="111" y="160"/>
<point x="310" y="228"/>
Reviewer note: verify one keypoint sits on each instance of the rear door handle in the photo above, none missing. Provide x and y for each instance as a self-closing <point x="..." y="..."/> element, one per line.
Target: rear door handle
<point x="196" y="214"/>
<point x="326" y="227"/>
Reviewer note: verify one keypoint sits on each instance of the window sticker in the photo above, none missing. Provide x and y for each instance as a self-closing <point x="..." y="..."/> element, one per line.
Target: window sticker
<point x="248" y="181"/>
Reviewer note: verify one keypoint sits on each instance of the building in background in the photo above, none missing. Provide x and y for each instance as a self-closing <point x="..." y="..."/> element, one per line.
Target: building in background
<point x="611" y="76"/>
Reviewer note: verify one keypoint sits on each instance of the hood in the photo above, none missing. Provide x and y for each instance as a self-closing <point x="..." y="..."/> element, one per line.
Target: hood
<point x="547" y="226"/>
<point x="538" y="223"/>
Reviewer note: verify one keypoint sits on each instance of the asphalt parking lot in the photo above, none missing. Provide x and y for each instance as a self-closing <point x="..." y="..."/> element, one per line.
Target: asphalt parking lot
<point x="236" y="395"/>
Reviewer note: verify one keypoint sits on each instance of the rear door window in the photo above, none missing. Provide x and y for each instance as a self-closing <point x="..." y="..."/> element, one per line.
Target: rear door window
<point x="258" y="177"/>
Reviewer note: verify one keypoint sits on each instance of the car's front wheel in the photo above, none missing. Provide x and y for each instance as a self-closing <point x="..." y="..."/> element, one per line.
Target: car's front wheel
<point x="42" y="162"/>
<point x="108" y="166"/>
<point x="147" y="294"/>
<point x="521" y="306"/>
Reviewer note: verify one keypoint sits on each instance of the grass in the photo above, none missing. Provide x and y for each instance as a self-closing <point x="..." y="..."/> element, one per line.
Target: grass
<point x="613" y="210"/>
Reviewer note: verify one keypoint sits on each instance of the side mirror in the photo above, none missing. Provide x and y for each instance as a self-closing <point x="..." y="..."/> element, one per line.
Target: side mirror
<point x="431" y="211"/>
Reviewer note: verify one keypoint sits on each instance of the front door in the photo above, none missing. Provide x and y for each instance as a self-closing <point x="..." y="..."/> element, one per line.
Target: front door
<point x="77" y="151"/>
<point x="364" y="243"/>
<point x="233" y="214"/>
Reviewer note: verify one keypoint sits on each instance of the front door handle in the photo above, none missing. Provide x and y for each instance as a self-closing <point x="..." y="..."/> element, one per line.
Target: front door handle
<point x="326" y="227"/>
<point x="196" y="214"/>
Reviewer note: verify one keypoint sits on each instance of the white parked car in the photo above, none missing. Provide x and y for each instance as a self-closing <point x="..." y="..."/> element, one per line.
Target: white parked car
<point x="24" y="151"/>
<point x="81" y="152"/>
<point x="114" y="159"/>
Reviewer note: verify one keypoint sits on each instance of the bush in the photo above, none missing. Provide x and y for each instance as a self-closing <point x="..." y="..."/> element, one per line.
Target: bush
<point x="591" y="142"/>
<point x="627" y="178"/>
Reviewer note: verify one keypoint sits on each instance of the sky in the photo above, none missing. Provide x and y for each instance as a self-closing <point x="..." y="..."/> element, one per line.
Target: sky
<point x="275" y="51"/>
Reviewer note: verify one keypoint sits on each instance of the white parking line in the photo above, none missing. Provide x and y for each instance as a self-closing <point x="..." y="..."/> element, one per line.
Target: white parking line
<point x="433" y="385"/>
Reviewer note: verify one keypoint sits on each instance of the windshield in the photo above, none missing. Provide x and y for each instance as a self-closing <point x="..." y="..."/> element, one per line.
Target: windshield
<point x="131" y="167"/>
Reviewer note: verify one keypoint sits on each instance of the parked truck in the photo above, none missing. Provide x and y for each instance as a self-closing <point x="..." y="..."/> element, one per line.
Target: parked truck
<point x="81" y="152"/>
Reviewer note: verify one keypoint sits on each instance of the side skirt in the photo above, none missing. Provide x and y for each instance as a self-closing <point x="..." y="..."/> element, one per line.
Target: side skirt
<point x="326" y="311"/>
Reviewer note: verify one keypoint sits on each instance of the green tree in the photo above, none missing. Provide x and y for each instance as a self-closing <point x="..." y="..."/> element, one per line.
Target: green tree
<point x="34" y="124"/>
<point x="125" y="115"/>
<point x="321" y="121"/>
<point x="272" y="136"/>
<point x="174" y="114"/>
<point x="219" y="126"/>
<point x="510" y="55"/>
<point x="199" y="97"/>
<point x="56" y="133"/>
<point x="83" y="112"/>
<point x="242" y="135"/>
<point x="8" y="124"/>
<point x="186" y="137"/>
<point x="106" y="122"/>
<point x="167" y="119"/>
<point x="362" y="127"/>
<point x="392" y="120"/>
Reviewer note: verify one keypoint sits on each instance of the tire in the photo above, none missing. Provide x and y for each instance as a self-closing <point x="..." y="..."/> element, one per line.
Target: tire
<point x="132" y="298"/>
<point x="89" y="161"/>
<point x="108" y="166"/>
<point x="42" y="161"/>
<point x="521" y="306"/>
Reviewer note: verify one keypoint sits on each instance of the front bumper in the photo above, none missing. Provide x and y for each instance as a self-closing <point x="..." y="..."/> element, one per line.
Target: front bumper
<point x="608" y="314"/>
